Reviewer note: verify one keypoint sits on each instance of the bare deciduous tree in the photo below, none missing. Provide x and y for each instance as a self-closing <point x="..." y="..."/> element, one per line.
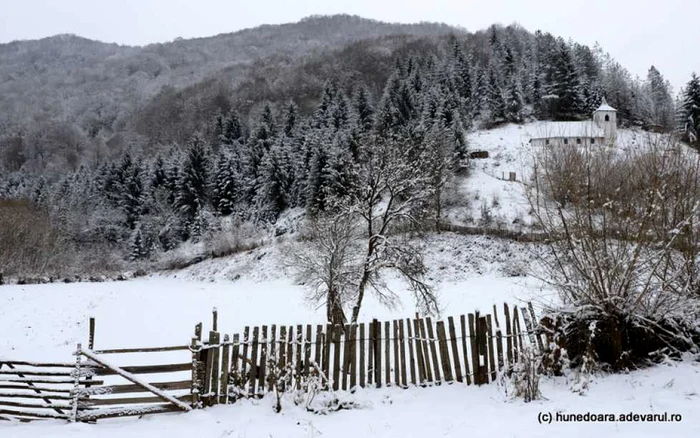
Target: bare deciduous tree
<point x="329" y="263"/>
<point x="394" y="191"/>
<point x="364" y="236"/>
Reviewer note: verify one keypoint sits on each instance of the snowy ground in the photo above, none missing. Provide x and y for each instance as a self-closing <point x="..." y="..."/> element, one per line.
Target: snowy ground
<point x="47" y="321"/>
<point x="448" y="411"/>
<point x="488" y="188"/>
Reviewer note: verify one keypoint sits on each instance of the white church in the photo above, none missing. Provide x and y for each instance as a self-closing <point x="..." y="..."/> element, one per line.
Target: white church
<point x="601" y="130"/>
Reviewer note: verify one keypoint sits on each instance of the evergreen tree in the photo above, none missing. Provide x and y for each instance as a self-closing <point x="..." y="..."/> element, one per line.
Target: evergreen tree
<point x="290" y="120"/>
<point x="140" y="249"/>
<point x="274" y="183"/>
<point x="159" y="173"/>
<point x="462" y="77"/>
<point x="132" y="195"/>
<point x="689" y="112"/>
<point x="397" y="108"/>
<point x="514" y="102"/>
<point x="192" y="185"/>
<point x="659" y="100"/>
<point x="495" y="100"/>
<point x="199" y="225"/>
<point x="39" y="194"/>
<point x="314" y="194"/>
<point x="565" y="84"/>
<point x="364" y="110"/>
<point x="322" y="116"/>
<point x="122" y="186"/>
<point x="231" y="128"/>
<point x="225" y="186"/>
<point x="219" y="121"/>
<point x="257" y="146"/>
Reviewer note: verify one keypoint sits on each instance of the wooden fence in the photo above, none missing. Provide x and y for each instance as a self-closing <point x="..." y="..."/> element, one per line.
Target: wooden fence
<point x="469" y="349"/>
<point x="34" y="390"/>
<point x="92" y="388"/>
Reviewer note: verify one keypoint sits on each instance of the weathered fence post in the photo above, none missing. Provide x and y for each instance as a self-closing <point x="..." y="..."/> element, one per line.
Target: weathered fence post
<point x="463" y="328"/>
<point x="195" y="387"/>
<point x="499" y="339"/>
<point x="433" y="351"/>
<point x="198" y="331"/>
<point x="482" y="348"/>
<point x="362" y="354"/>
<point x="91" y="336"/>
<point x="387" y="353"/>
<point x="509" y="339"/>
<point x="215" y="370"/>
<point x="489" y="341"/>
<point x="444" y="355"/>
<point x="455" y="349"/>
<point x="91" y="341"/>
<point x="76" y="385"/>
<point x="479" y="348"/>
<point x="536" y="326"/>
<point x="377" y="349"/>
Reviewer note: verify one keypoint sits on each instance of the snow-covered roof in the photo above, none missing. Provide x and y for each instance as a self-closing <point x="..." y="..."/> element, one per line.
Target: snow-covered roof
<point x="605" y="107"/>
<point x="569" y="129"/>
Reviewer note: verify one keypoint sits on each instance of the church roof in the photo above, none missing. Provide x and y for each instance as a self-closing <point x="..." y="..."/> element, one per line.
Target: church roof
<point x="569" y="129"/>
<point x="605" y="107"/>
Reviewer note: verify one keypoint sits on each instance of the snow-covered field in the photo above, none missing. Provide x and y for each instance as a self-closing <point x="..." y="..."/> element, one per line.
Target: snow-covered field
<point x="45" y="322"/>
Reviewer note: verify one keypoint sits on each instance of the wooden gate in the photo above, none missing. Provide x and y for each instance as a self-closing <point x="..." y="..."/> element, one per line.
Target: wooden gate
<point x="123" y="392"/>
<point x="93" y="387"/>
<point x="38" y="390"/>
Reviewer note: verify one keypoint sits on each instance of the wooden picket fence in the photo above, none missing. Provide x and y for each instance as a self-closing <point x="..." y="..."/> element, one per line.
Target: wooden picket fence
<point x="469" y="349"/>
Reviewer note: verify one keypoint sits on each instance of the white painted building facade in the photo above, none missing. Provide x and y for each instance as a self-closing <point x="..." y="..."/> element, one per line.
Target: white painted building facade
<point x="602" y="129"/>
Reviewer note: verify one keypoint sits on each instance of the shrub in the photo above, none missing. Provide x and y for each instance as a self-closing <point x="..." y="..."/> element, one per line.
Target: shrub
<point x="622" y="253"/>
<point x="28" y="242"/>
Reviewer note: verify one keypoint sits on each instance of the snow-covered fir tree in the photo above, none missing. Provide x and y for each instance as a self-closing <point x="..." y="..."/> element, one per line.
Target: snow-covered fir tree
<point x="689" y="111"/>
<point x="193" y="183"/>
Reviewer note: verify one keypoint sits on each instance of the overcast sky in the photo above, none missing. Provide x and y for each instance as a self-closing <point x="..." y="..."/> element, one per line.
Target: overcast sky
<point x="636" y="33"/>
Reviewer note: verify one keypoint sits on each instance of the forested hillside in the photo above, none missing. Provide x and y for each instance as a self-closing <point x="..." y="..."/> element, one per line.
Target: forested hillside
<point x="129" y="152"/>
<point x="66" y="97"/>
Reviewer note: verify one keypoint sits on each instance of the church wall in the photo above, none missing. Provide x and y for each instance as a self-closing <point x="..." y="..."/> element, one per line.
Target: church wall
<point x="567" y="141"/>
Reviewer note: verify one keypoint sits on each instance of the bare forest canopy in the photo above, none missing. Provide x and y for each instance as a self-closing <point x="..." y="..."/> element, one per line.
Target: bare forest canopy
<point x="142" y="148"/>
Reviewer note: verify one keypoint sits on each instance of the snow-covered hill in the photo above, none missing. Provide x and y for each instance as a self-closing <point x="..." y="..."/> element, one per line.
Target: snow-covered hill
<point x="488" y="198"/>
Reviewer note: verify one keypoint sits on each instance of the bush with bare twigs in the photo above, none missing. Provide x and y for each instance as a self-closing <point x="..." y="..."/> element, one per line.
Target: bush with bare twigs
<point x="623" y="242"/>
<point x="28" y="242"/>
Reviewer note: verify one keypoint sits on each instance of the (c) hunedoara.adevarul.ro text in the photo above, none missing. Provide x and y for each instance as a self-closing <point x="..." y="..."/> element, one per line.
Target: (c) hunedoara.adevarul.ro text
<point x="593" y="417"/>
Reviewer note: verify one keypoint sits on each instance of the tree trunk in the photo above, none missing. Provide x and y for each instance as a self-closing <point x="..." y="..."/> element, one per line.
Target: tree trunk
<point x="334" y="309"/>
<point x="363" y="282"/>
<point x="360" y="296"/>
